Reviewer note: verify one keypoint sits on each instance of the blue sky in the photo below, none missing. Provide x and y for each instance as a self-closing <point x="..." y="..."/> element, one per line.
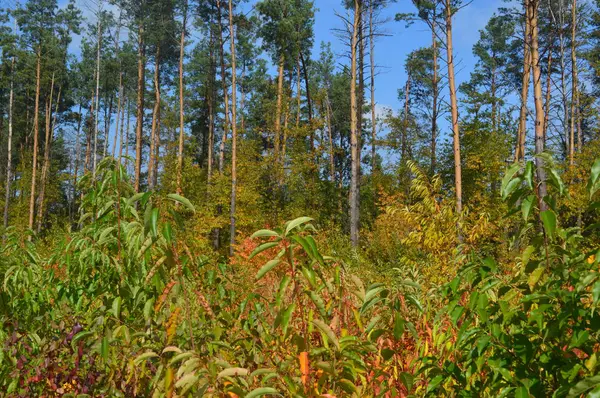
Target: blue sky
<point x="391" y="50"/>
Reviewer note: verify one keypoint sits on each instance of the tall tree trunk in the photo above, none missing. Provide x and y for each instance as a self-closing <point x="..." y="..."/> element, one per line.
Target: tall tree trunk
<point x="539" y="107"/>
<point x="307" y="88"/>
<point x="563" y="79"/>
<point x="124" y="108"/>
<point x="108" y="111"/>
<point x="211" y="111"/>
<point x="404" y="143"/>
<point x="152" y="160"/>
<point x="435" y="94"/>
<point x="9" y="144"/>
<point x="354" y="131"/>
<point x="181" y="103"/>
<point x="225" y="91"/>
<point x="548" y="92"/>
<point x="298" y="91"/>
<point x="98" y="47"/>
<point x="454" y="110"/>
<point x="574" y="83"/>
<point x="373" y="110"/>
<point x="119" y="109"/>
<point x="522" y="128"/>
<point x="127" y="135"/>
<point x="35" y="135"/>
<point x="77" y="158"/>
<point x="361" y="82"/>
<point x="47" y="146"/>
<point x="139" y="127"/>
<point x="330" y="133"/>
<point x="233" y="134"/>
<point x="278" y="108"/>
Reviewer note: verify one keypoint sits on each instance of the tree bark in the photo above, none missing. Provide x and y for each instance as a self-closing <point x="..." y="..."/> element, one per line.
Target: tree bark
<point x="9" y="144"/>
<point x="330" y="133"/>
<point x="404" y="143"/>
<point x="152" y="160"/>
<point x="181" y="104"/>
<point x="522" y="128"/>
<point x="278" y="109"/>
<point x="539" y="107"/>
<point x="98" y="47"/>
<point x="139" y="128"/>
<point x="35" y="135"/>
<point x="47" y="146"/>
<point x="454" y="110"/>
<point x="373" y="110"/>
<point x="233" y="135"/>
<point x="225" y="92"/>
<point x="435" y="94"/>
<point x="574" y="89"/>
<point x="354" y="131"/>
<point x="548" y="92"/>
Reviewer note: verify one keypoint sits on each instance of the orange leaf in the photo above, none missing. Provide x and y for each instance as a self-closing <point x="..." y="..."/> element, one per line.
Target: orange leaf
<point x="303" y="358"/>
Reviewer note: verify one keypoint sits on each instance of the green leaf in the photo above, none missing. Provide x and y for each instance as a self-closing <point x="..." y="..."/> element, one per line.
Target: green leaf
<point x="262" y="248"/>
<point x="510" y="187"/>
<point x="266" y="268"/>
<point x="583" y="386"/>
<point x="104" y="345"/>
<point x="283" y="318"/>
<point x="326" y="330"/>
<point x="526" y="206"/>
<point x="398" y="327"/>
<point x="264" y="233"/>
<point x="510" y="173"/>
<point x="549" y="220"/>
<point x="528" y="174"/>
<point x="259" y="392"/>
<point x="408" y="380"/>
<point x="295" y="223"/>
<point x="141" y="358"/>
<point x="186" y="382"/>
<point x="116" y="307"/>
<point x="233" y="372"/>
<point x="182" y="200"/>
<point x="154" y="222"/>
<point x="556" y="181"/>
<point x="593" y="182"/>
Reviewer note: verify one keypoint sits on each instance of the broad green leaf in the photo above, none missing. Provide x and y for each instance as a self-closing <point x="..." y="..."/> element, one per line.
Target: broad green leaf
<point x="184" y="201"/>
<point x="549" y="220"/>
<point x="141" y="358"/>
<point x="584" y="386"/>
<point x="233" y="372"/>
<point x="326" y="330"/>
<point x="510" y="173"/>
<point x="266" y="268"/>
<point x="259" y="392"/>
<point x="262" y="248"/>
<point x="526" y="206"/>
<point x="528" y="174"/>
<point x="264" y="233"/>
<point x="295" y="223"/>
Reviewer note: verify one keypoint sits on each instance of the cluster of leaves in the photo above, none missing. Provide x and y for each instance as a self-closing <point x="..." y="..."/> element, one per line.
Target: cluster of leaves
<point x="533" y="332"/>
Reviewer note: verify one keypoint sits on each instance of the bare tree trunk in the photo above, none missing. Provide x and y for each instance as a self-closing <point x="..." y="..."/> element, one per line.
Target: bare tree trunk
<point x="181" y="104"/>
<point x="47" y="145"/>
<point x="119" y="108"/>
<point x="563" y="79"/>
<point x="152" y="160"/>
<point x="9" y="147"/>
<point x="124" y="108"/>
<point x="454" y="110"/>
<point x="548" y="92"/>
<point x="435" y="94"/>
<point x="522" y="129"/>
<point x="278" y="109"/>
<point x="233" y="134"/>
<point x="354" y="131"/>
<point x="298" y="90"/>
<point x="539" y="108"/>
<point x="98" y="47"/>
<point x="139" y="128"/>
<point x="373" y="110"/>
<point x="225" y="92"/>
<point x="330" y="133"/>
<point x="127" y="136"/>
<point x="307" y="88"/>
<point x="574" y="89"/>
<point x="36" y="130"/>
<point x="403" y="145"/>
<point x="77" y="157"/>
<point x="211" y="112"/>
